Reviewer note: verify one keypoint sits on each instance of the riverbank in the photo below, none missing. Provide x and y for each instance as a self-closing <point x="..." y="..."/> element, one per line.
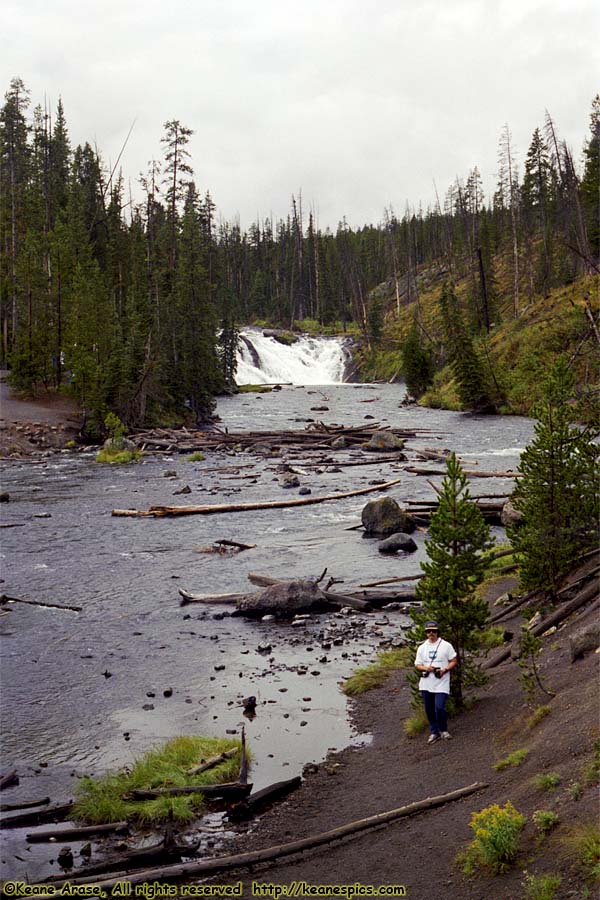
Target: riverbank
<point x="420" y="852"/>
<point x="29" y="426"/>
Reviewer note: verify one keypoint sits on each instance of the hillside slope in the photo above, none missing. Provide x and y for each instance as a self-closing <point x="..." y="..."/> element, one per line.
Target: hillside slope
<point x="516" y="353"/>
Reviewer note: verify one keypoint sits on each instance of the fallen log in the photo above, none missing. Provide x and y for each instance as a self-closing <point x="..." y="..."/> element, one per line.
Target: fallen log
<point x="343" y="464"/>
<point x="238" y="546"/>
<point x="68" y="834"/>
<point x="188" y="597"/>
<point x="161" y="511"/>
<point x="38" y="817"/>
<point x="227" y="791"/>
<point x="508" y="610"/>
<point x="9" y="779"/>
<point x="206" y="866"/>
<point x="372" y="584"/>
<point x="12" y="807"/>
<point x="5" y="599"/>
<point x="260" y="799"/>
<point x="243" y="774"/>
<point x="555" y="618"/>
<point x="340" y="600"/>
<point x="213" y="761"/>
<point x="471" y="473"/>
<point x="379" y="598"/>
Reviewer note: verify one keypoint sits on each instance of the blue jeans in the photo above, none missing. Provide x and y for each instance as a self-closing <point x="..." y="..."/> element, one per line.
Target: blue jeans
<point x="435" y="707"/>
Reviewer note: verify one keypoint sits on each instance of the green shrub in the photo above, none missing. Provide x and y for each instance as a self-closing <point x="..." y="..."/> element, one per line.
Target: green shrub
<point x="196" y="457"/>
<point x="101" y="800"/>
<point x="115" y="428"/>
<point x="545" y="820"/>
<point x="541" y="887"/>
<point x="369" y="677"/>
<point x="496" y="841"/>
<point x="513" y="759"/>
<point x="547" y="782"/>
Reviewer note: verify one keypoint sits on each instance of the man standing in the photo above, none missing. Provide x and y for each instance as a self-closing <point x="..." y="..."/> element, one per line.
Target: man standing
<point x="435" y="660"/>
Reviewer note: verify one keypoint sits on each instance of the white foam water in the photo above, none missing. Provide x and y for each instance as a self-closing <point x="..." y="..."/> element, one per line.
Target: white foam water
<point x="309" y="360"/>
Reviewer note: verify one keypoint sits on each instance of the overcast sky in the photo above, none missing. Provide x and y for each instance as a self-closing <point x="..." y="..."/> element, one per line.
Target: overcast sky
<point x="358" y="103"/>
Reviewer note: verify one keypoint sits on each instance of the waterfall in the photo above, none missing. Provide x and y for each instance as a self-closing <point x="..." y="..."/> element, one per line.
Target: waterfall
<point x="309" y="360"/>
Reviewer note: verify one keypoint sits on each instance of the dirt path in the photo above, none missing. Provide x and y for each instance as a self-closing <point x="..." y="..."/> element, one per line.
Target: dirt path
<point x="419" y="852"/>
<point x="28" y="426"/>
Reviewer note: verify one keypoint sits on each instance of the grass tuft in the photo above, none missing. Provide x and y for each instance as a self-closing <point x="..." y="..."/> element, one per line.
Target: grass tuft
<point x="547" y="782"/>
<point x="582" y="846"/>
<point x="254" y="388"/>
<point x="513" y="759"/>
<point x="539" y="713"/>
<point x="115" y="457"/>
<point x="541" y="887"/>
<point x="592" y="771"/>
<point x="416" y="724"/>
<point x="100" y="800"/>
<point x="196" y="457"/>
<point x="374" y="675"/>
<point x="576" y="790"/>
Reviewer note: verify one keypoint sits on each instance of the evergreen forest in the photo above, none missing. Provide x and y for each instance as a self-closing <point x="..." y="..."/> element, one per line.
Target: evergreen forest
<point x="132" y="304"/>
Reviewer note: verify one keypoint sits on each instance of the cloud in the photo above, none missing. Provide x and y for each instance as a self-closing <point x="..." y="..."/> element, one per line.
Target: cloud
<point x="359" y="104"/>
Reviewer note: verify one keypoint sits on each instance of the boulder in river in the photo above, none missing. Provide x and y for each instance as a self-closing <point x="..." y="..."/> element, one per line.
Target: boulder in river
<point x="283" y="599"/>
<point x="385" y="441"/>
<point x="384" y="517"/>
<point x="510" y="515"/>
<point x="122" y="444"/>
<point x="289" y="481"/>
<point x="397" y="542"/>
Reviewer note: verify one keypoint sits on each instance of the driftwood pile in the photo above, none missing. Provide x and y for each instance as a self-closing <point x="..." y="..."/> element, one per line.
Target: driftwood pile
<point x="316" y="436"/>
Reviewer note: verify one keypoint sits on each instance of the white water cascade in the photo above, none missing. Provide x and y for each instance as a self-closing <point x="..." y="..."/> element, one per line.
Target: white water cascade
<point x="309" y="360"/>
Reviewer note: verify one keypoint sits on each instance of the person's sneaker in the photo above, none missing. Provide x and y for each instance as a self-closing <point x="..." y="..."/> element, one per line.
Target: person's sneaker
<point x="433" y="738"/>
<point x="446" y="736"/>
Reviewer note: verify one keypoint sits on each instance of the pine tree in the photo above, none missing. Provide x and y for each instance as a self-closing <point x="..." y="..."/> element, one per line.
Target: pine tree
<point x="14" y="172"/>
<point x="458" y="537"/>
<point x="471" y="379"/>
<point x="417" y="364"/>
<point x="558" y="494"/>
<point x="197" y="375"/>
<point x="536" y="195"/>
<point x="590" y="184"/>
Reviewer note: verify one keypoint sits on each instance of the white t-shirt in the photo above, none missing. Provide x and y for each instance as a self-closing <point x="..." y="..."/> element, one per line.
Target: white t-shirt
<point x="438" y="654"/>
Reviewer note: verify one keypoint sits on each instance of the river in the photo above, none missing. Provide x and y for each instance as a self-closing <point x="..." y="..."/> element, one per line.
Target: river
<point x="73" y="685"/>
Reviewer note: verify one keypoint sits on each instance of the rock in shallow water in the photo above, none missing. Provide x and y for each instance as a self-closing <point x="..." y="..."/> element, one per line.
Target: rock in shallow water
<point x="397" y="542"/>
<point x="384" y="517"/>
